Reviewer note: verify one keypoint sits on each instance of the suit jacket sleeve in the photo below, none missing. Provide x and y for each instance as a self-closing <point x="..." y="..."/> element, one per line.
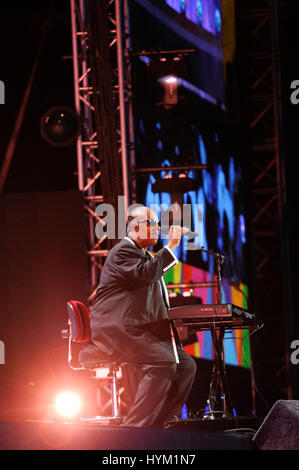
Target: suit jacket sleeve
<point x="132" y="265"/>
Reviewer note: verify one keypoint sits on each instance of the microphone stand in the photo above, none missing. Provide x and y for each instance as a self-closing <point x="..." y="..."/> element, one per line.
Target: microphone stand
<point x="219" y="259"/>
<point x="219" y="390"/>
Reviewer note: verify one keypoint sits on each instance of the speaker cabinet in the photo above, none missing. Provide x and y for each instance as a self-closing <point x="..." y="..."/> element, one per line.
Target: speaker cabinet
<point x="280" y="428"/>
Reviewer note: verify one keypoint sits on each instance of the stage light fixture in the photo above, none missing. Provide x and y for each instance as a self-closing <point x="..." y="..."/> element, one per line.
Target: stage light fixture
<point x="174" y="184"/>
<point x="67" y="404"/>
<point x="169" y="80"/>
<point x="170" y="84"/>
<point x="169" y="72"/>
<point x="60" y="126"/>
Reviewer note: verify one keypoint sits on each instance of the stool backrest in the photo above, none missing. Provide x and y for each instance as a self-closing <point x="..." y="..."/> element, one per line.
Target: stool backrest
<point x="79" y="321"/>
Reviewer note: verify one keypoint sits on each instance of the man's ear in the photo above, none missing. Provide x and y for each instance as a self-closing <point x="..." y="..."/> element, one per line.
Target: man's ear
<point x="132" y="225"/>
<point x="129" y="224"/>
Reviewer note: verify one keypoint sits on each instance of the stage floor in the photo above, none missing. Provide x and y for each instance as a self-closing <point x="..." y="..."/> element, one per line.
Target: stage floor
<point x="44" y="435"/>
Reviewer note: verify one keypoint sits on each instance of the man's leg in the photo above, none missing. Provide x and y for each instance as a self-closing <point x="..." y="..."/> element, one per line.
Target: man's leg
<point x="152" y="392"/>
<point x="162" y="392"/>
<point x="180" y="388"/>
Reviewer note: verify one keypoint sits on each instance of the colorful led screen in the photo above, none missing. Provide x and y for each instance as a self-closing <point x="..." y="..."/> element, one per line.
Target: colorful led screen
<point x="223" y="230"/>
<point x="179" y="104"/>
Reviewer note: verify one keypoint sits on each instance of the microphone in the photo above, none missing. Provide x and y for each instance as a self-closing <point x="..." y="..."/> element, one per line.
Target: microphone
<point x="165" y="230"/>
<point x="192" y="234"/>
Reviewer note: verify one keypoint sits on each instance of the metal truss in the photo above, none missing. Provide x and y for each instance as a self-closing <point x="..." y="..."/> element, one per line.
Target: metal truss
<point x="264" y="131"/>
<point x="102" y="90"/>
<point x="267" y="187"/>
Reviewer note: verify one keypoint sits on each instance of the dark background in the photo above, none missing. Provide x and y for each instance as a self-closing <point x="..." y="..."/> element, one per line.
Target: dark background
<point x="38" y="167"/>
<point x="42" y="238"/>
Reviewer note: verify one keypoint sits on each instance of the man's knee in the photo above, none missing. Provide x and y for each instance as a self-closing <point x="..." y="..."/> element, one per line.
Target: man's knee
<point x="188" y="365"/>
<point x="168" y="370"/>
<point x="192" y="367"/>
<point x="164" y="370"/>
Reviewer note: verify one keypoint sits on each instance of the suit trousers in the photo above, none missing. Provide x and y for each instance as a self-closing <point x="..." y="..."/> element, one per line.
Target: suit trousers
<point x="162" y="391"/>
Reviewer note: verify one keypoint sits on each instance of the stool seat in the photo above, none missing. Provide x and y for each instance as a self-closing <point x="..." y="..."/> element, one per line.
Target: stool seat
<point x="91" y="357"/>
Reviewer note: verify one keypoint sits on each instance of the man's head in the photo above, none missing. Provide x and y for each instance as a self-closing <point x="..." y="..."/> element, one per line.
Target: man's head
<point x="143" y="226"/>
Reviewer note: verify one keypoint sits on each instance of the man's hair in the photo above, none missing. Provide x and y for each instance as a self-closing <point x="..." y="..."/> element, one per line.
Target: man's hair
<point x="133" y="212"/>
<point x="130" y="218"/>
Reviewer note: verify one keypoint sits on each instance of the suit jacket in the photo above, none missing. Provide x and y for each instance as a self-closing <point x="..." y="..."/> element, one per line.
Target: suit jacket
<point x="129" y="319"/>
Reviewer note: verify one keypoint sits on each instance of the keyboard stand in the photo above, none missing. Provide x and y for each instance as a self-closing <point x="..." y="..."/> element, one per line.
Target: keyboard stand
<point x="219" y="396"/>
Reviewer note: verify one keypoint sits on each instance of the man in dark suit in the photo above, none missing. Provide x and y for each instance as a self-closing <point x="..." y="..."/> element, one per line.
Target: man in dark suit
<point x="129" y="320"/>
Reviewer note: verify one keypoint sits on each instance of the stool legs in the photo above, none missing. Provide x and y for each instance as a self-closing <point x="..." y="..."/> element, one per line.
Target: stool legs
<point x="114" y="392"/>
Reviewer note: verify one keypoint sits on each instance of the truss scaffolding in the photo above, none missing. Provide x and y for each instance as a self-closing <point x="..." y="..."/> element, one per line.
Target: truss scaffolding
<point x="264" y="131"/>
<point x="102" y="89"/>
<point x="267" y="183"/>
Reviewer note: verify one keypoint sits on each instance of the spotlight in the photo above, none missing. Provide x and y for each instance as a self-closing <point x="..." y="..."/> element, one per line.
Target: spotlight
<point x="169" y="72"/>
<point x="67" y="404"/>
<point x="170" y="83"/>
<point x="60" y="126"/>
<point x="169" y="80"/>
<point x="174" y="184"/>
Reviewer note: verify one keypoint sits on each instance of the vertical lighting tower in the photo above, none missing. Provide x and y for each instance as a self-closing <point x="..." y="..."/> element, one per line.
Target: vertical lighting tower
<point x="102" y="89"/>
<point x="268" y="187"/>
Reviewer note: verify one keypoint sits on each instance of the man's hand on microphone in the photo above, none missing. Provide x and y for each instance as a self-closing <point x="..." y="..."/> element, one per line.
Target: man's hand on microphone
<point x="175" y="235"/>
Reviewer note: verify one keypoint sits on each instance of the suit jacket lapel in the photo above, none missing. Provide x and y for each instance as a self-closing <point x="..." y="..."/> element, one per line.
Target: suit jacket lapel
<point x="162" y="284"/>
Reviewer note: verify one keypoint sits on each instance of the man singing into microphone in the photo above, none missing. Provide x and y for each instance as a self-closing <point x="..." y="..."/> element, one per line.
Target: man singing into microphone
<point x="129" y="320"/>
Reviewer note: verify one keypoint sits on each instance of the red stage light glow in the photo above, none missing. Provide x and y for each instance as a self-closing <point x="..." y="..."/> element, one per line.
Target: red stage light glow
<point x="67" y="404"/>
